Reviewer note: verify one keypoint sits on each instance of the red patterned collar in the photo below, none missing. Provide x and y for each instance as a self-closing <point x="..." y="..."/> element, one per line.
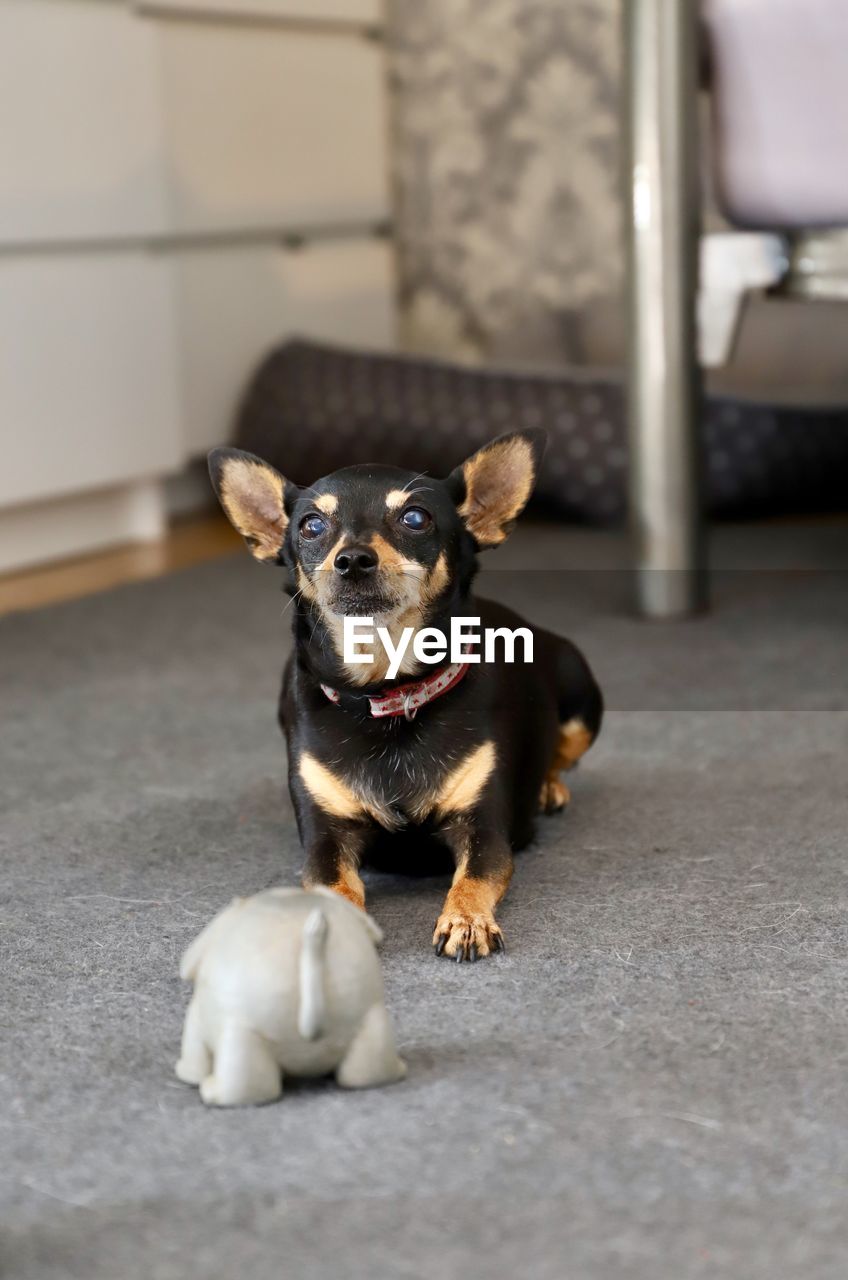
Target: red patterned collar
<point x="407" y="699"/>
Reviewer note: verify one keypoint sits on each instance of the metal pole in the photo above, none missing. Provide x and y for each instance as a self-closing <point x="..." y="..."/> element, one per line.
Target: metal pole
<point x="663" y="227"/>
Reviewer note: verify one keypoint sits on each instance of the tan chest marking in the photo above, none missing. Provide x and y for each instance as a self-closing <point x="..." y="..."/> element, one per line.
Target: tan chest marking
<point x="457" y="792"/>
<point x="463" y="786"/>
<point x="330" y="792"/>
<point x="335" y="796"/>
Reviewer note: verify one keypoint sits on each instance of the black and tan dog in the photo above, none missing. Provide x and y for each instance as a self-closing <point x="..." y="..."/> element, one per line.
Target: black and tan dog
<point x="369" y="757"/>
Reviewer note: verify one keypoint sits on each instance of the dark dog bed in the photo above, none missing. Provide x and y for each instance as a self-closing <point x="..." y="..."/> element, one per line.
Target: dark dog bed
<point x="312" y="408"/>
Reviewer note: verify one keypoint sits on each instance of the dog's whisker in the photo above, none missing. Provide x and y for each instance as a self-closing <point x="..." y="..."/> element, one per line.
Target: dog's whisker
<point x="296" y="596"/>
<point x="415" y="572"/>
<point x="420" y="476"/>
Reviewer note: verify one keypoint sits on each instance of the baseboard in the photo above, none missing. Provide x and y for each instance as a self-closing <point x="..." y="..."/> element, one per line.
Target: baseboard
<point x="189" y="492"/>
<point x="46" y="532"/>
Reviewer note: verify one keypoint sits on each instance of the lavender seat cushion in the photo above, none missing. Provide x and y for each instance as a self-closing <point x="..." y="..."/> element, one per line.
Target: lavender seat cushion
<point x="779" y="80"/>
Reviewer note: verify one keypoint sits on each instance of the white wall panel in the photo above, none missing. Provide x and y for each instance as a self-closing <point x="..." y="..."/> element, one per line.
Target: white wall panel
<point x="80" y="125"/>
<point x="268" y="126"/>
<point x="118" y="363"/>
<point x="88" y="373"/>
<point x="80" y="523"/>
<point x="236" y="305"/>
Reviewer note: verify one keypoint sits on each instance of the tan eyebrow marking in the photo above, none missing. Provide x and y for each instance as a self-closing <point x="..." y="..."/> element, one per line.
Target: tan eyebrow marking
<point x="396" y="498"/>
<point x="328" y="503"/>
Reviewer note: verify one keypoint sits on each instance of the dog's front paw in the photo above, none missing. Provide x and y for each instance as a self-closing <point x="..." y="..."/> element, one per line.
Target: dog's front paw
<point x="463" y="936"/>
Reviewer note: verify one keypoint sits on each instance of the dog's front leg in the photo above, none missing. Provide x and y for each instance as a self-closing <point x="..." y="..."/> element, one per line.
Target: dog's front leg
<point x="467" y="929"/>
<point x="332" y="860"/>
<point x="334" y="829"/>
<point x="333" y="845"/>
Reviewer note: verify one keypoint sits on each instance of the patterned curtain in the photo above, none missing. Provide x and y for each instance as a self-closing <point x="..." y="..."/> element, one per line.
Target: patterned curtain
<point x="506" y="170"/>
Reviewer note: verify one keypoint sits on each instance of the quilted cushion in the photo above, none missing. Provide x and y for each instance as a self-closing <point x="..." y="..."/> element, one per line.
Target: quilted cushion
<point x="311" y="408"/>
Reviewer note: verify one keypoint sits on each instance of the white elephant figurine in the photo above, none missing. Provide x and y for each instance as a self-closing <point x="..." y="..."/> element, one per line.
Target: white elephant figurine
<point x="286" y="983"/>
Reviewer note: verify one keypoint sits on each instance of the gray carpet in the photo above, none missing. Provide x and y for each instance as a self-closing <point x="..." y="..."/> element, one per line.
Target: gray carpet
<point x="652" y="1083"/>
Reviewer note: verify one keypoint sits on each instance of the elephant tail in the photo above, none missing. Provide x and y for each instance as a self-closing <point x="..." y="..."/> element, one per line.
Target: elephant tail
<point x="312" y="1009"/>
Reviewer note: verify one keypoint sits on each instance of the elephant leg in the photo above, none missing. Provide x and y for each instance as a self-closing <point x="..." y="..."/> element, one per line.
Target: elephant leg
<point x="194" y="1060"/>
<point x="372" y="1058"/>
<point x="245" y="1069"/>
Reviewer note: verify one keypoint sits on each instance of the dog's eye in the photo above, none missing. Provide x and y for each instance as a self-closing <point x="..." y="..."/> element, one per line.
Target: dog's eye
<point x="313" y="526"/>
<point x="415" y="518"/>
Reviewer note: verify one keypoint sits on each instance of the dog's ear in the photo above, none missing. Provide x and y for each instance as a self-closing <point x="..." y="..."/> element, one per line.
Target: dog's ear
<point x="254" y="497"/>
<point x="491" y="487"/>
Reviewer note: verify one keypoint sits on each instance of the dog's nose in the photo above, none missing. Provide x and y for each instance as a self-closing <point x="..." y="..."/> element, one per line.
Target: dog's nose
<point x="355" y="562"/>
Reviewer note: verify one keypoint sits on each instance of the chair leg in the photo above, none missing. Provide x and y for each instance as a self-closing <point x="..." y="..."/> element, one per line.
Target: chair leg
<point x="663" y="377"/>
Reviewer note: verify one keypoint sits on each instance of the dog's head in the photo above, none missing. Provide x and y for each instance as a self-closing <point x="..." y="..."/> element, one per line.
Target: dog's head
<point x="379" y="541"/>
